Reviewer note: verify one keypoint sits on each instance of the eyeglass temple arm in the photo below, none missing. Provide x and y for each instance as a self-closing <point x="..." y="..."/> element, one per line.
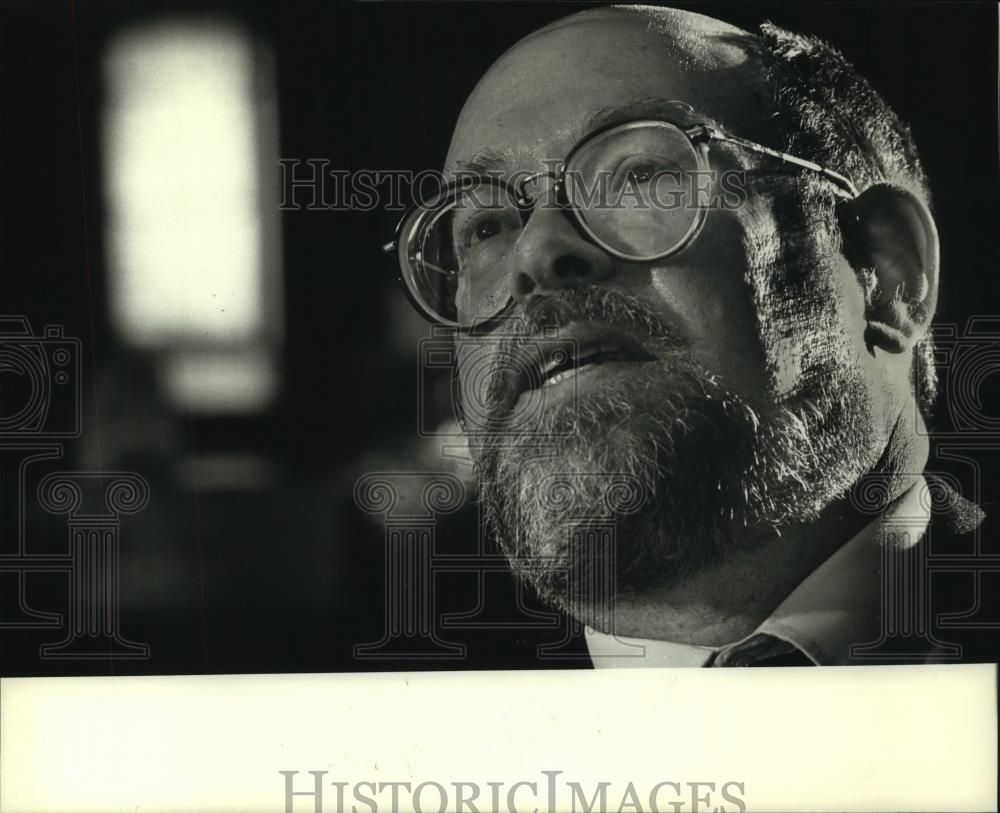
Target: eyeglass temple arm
<point x="841" y="181"/>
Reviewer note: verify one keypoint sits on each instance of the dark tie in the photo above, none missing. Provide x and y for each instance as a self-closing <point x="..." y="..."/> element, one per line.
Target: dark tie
<point x="760" y="650"/>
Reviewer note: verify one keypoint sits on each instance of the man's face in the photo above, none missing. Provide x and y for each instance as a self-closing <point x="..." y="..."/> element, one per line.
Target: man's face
<point x="717" y="404"/>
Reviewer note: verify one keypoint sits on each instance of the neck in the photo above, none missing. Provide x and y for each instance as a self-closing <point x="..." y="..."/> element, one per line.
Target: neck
<point x="729" y="601"/>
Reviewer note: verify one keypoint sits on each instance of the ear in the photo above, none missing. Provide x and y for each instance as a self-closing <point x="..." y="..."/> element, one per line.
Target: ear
<point x="890" y="239"/>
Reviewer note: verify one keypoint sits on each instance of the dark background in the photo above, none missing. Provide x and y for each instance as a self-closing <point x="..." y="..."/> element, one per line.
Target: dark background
<point x="288" y="575"/>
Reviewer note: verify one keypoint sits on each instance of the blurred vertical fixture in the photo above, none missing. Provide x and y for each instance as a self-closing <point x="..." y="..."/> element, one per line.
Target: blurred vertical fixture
<point x="190" y="146"/>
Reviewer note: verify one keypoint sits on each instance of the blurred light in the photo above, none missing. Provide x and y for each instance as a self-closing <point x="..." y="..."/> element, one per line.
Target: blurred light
<point x="223" y="381"/>
<point x="190" y="130"/>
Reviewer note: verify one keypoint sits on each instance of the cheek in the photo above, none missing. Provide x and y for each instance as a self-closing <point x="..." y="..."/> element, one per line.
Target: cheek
<point x="706" y="289"/>
<point x="810" y="311"/>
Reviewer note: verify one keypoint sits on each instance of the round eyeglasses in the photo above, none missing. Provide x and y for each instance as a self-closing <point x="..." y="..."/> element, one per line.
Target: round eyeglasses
<point x="637" y="190"/>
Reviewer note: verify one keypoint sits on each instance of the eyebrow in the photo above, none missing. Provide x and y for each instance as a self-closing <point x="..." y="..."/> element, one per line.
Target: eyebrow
<point x="489" y="160"/>
<point x="485" y="161"/>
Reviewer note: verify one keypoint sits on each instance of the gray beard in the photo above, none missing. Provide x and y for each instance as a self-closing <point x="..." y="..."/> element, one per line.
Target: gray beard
<point x="641" y="484"/>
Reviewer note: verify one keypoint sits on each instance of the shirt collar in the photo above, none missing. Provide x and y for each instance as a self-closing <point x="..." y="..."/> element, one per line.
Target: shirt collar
<point x="834" y="607"/>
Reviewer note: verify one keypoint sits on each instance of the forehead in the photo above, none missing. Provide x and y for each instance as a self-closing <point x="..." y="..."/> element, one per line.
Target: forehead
<point x="549" y="89"/>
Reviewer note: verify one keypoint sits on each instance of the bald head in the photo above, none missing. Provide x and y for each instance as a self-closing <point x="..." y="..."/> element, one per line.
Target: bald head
<point x="554" y="78"/>
<point x="694" y="39"/>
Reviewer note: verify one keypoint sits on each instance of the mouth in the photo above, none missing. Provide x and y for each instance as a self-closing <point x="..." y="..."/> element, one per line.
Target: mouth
<point x="586" y="360"/>
<point x="581" y="349"/>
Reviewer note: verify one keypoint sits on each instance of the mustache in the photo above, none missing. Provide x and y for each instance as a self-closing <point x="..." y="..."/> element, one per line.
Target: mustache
<point x="558" y="309"/>
<point x="535" y="320"/>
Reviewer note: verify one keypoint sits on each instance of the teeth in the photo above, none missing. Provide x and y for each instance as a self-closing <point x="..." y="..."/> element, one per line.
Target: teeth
<point x="565" y="374"/>
<point x="595" y="351"/>
<point x="581" y="362"/>
<point x="557" y="378"/>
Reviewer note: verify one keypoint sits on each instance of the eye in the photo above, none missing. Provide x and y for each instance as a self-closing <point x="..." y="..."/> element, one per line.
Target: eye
<point x="641" y="170"/>
<point x="641" y="174"/>
<point x="486" y="228"/>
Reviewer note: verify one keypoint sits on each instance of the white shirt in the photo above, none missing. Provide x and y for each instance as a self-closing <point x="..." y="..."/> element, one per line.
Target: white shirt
<point x="835" y="606"/>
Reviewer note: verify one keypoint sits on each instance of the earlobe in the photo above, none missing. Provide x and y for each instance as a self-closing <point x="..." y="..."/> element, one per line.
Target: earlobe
<point x="891" y="241"/>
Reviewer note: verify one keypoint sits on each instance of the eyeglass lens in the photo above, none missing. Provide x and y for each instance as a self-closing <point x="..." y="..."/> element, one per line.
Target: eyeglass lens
<point x="633" y="189"/>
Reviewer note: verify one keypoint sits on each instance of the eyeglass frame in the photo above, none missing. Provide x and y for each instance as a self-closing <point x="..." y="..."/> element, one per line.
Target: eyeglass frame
<point x="699" y="135"/>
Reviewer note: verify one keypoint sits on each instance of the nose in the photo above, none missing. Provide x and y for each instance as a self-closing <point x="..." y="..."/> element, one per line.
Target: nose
<point x="551" y="255"/>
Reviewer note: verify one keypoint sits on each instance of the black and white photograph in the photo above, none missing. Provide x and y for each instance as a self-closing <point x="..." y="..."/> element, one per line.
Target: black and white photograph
<point x="355" y="343"/>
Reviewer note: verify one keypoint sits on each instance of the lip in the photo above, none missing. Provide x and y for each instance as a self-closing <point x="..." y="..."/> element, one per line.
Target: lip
<point x="578" y="345"/>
